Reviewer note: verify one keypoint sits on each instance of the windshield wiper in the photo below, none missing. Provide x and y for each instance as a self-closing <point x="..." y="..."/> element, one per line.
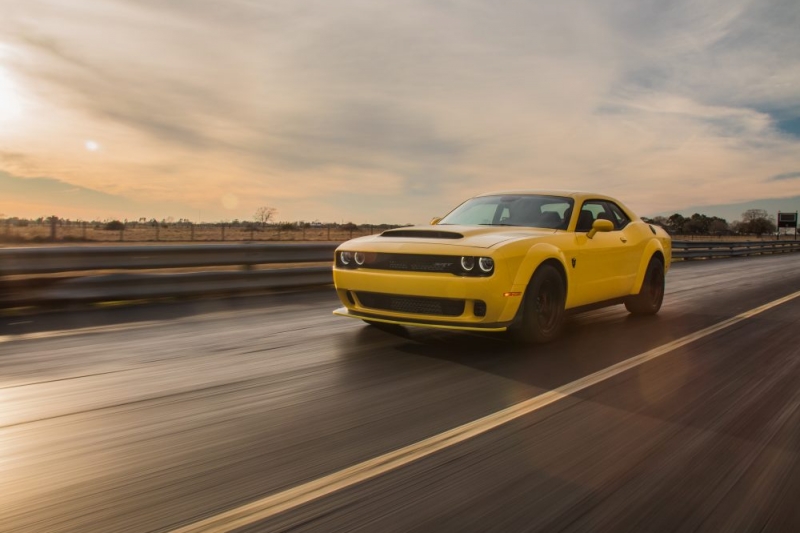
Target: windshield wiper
<point x="500" y="224"/>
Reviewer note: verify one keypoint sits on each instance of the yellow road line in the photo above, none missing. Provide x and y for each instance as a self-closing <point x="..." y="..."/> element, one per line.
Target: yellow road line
<point x="283" y="501"/>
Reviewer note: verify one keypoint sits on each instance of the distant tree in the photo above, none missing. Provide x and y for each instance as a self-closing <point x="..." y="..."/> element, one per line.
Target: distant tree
<point x="719" y="226"/>
<point x="756" y="222"/>
<point x="754" y="214"/>
<point x="265" y="214"/>
<point x="675" y="223"/>
<point x="695" y="225"/>
<point x="114" y="225"/>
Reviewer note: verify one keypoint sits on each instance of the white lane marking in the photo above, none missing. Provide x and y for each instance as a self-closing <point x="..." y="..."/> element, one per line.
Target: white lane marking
<point x="283" y="501"/>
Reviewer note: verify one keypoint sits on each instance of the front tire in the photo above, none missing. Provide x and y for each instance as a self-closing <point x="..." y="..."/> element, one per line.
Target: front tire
<point x="543" y="307"/>
<point x="651" y="295"/>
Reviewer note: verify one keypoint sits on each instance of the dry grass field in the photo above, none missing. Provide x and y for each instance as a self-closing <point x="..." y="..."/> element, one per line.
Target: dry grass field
<point x="38" y="234"/>
<point x="173" y="233"/>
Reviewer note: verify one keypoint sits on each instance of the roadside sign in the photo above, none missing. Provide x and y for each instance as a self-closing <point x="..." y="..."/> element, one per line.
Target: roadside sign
<point x="787" y="220"/>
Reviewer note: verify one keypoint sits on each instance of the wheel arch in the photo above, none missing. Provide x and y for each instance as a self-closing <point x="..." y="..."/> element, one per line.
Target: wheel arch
<point x="538" y="255"/>
<point x="652" y="251"/>
<point x="522" y="329"/>
<point x="559" y="268"/>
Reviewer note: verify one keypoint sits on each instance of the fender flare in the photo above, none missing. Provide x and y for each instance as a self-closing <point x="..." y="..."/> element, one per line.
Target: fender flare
<point x="653" y="247"/>
<point x="538" y="254"/>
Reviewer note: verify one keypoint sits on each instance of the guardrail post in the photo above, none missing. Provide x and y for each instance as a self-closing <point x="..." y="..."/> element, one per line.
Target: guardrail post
<point x="223" y="232"/>
<point x="53" y="223"/>
<point x="121" y="232"/>
<point x="329" y="232"/>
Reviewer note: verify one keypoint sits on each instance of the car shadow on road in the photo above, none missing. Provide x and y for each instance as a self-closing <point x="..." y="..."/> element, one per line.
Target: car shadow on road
<point x="589" y="343"/>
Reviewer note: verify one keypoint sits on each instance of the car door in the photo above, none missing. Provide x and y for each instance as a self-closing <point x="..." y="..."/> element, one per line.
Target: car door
<point x="632" y="246"/>
<point x="601" y="270"/>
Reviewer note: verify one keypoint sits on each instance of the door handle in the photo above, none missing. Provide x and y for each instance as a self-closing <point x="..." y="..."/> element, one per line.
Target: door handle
<point x="623" y="239"/>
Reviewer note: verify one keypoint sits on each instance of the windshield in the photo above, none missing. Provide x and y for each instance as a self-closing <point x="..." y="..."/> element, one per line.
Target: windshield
<point x="513" y="210"/>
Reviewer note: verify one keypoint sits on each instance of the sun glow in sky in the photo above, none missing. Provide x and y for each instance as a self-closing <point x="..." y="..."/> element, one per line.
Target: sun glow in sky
<point x="391" y="111"/>
<point x="10" y="103"/>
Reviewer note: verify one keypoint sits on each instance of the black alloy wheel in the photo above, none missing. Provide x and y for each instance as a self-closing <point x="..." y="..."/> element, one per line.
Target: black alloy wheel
<point x="543" y="307"/>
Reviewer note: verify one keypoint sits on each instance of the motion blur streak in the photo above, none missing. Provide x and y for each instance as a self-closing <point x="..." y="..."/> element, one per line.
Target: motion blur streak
<point x="283" y="501"/>
<point x="161" y="416"/>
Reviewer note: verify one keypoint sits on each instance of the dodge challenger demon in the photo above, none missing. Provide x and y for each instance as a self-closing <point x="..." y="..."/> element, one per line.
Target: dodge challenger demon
<point x="516" y="261"/>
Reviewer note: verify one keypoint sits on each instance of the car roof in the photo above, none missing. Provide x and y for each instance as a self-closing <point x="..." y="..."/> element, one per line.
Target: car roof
<point x="570" y="194"/>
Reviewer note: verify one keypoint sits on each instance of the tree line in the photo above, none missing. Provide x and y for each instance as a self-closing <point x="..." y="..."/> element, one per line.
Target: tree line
<point x="754" y="222"/>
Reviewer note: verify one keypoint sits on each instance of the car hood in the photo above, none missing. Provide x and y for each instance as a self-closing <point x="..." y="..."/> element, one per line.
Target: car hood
<point x="452" y="235"/>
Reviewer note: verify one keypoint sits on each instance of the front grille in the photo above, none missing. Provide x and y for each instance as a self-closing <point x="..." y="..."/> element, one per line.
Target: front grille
<point x="411" y="304"/>
<point x="414" y="263"/>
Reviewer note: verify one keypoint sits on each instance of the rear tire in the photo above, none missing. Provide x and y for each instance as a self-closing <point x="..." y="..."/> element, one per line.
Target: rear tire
<point x="543" y="307"/>
<point x="651" y="295"/>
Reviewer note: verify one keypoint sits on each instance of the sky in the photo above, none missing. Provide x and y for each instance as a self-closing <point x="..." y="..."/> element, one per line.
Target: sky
<point x="378" y="111"/>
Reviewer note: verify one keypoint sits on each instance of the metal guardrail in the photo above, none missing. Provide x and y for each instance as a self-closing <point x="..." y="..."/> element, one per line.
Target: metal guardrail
<point x="710" y="250"/>
<point x="26" y="273"/>
<point x="84" y="258"/>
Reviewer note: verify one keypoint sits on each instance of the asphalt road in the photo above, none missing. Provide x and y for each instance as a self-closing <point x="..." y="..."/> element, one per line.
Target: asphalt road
<point x="158" y="417"/>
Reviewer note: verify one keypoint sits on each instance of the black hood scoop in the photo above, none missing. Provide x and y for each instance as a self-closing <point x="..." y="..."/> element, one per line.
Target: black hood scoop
<point x="422" y="234"/>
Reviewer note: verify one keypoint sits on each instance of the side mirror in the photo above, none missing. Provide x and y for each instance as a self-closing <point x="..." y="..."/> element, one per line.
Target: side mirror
<point x="600" y="224"/>
<point x="435" y="220"/>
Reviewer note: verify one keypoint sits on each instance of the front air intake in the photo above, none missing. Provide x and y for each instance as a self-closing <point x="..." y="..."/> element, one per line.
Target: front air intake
<point x="411" y="304"/>
<point x="422" y="234"/>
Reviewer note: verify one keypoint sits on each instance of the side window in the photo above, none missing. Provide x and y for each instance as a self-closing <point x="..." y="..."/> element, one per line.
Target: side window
<point x="590" y="211"/>
<point x="618" y="216"/>
<point x="599" y="209"/>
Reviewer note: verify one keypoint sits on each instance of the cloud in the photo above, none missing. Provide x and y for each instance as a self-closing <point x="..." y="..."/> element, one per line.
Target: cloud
<point x="54" y="195"/>
<point x="43" y="196"/>
<point x="784" y="176"/>
<point x="317" y="107"/>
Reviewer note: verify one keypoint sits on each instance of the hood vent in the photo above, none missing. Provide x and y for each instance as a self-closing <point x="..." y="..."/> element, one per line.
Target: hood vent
<point x="422" y="234"/>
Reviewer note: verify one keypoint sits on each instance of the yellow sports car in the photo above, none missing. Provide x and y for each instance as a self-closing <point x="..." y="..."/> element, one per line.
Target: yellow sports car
<point x="513" y="261"/>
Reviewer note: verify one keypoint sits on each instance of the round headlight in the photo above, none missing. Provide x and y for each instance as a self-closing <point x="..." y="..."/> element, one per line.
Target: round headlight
<point x="467" y="263"/>
<point x="359" y="258"/>
<point x="486" y="264"/>
<point x="346" y="257"/>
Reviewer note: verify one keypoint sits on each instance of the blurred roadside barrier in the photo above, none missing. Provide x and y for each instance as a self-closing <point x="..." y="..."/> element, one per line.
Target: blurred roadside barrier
<point x="36" y="276"/>
<point x="718" y="249"/>
<point x="52" y="275"/>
